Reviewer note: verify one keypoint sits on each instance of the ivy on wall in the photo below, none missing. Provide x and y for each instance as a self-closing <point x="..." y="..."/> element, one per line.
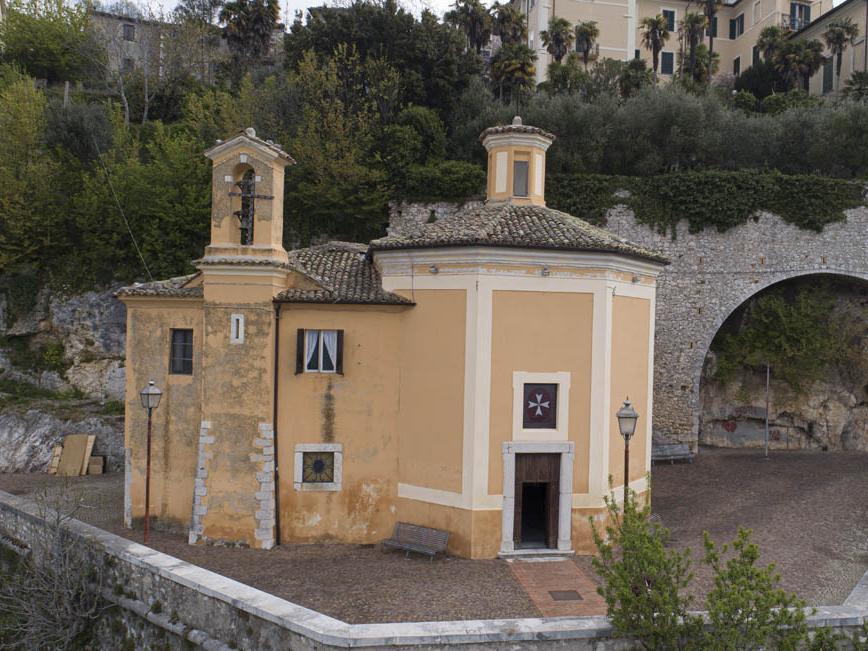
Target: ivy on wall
<point x="707" y="199"/>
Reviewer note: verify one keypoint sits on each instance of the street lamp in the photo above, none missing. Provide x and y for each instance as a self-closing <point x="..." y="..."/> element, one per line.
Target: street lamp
<point x="150" y="400"/>
<point x="627" y="418"/>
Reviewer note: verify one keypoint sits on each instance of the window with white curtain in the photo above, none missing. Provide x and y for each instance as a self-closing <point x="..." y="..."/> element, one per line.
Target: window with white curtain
<point x="320" y="351"/>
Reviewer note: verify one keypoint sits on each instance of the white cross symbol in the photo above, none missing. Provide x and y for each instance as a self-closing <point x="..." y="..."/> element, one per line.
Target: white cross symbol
<point x="539" y="404"/>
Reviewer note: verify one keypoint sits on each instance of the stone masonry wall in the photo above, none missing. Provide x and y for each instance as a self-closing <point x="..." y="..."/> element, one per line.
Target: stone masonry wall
<point x="711" y="274"/>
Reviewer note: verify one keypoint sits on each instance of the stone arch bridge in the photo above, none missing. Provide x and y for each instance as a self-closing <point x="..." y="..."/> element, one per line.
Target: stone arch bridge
<point x="711" y="274"/>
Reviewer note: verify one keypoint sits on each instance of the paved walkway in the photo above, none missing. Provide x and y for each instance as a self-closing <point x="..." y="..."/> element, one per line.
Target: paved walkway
<point x="559" y="588"/>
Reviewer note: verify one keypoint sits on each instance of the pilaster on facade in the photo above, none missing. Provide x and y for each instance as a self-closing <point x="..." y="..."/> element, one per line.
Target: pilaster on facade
<point x="200" y="485"/>
<point x="265" y="501"/>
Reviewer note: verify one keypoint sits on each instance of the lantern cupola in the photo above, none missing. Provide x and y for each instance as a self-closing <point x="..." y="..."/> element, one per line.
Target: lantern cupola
<point x="516" y="162"/>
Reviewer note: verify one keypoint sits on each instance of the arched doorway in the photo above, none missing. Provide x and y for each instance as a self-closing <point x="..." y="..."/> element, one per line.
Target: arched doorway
<point x="811" y="333"/>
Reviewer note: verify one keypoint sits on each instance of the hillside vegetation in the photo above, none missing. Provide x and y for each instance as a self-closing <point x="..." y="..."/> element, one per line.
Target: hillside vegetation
<point x="374" y="105"/>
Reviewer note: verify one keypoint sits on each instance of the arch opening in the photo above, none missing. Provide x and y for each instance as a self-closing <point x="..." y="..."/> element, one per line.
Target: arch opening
<point x="811" y="332"/>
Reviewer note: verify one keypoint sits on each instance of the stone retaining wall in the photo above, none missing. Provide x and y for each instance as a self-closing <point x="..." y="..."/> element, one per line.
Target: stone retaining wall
<point x="206" y="610"/>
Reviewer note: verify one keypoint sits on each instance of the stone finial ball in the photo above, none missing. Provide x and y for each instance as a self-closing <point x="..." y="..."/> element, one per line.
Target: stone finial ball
<point x="250" y="131"/>
<point x="516" y="121"/>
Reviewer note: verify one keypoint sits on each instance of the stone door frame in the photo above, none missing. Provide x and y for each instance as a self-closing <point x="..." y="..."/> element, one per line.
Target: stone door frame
<point x="565" y="490"/>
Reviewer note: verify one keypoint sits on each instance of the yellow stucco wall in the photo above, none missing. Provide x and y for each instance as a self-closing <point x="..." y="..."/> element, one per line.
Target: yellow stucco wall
<point x="631" y="323"/>
<point x="431" y="416"/>
<point x="236" y="400"/>
<point x="357" y="409"/>
<point x="540" y="332"/>
<point x="534" y="156"/>
<point x="175" y="435"/>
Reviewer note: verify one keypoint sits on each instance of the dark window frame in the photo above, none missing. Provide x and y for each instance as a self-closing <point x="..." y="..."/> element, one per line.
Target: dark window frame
<point x="301" y="352"/>
<point x="664" y="56"/>
<point x="181" y="351"/>
<point x="670" y="16"/>
<point x="711" y="29"/>
<point x="309" y="470"/>
<point x="129" y="32"/>
<point x="736" y="66"/>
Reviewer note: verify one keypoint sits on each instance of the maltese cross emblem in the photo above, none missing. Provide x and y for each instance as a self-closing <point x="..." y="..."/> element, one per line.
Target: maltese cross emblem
<point x="540" y="406"/>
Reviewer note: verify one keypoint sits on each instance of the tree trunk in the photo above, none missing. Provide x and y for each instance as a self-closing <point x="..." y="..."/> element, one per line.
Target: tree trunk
<point x="710" y="46"/>
<point x="146" y="98"/>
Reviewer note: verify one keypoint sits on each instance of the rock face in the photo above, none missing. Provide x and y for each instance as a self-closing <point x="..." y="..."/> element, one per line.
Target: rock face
<point x="830" y="413"/>
<point x="91" y="330"/>
<point x="64" y="348"/>
<point x="827" y="416"/>
<point x="27" y="439"/>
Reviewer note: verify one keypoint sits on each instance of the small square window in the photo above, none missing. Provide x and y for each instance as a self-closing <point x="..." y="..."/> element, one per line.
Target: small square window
<point x="181" y="352"/>
<point x="127" y="65"/>
<point x="129" y="32"/>
<point x="540" y="406"/>
<point x="318" y="467"/>
<point x="320" y="351"/>
<point x="519" y="178"/>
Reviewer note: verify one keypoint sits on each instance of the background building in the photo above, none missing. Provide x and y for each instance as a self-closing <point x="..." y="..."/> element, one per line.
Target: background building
<point x="736" y="27"/>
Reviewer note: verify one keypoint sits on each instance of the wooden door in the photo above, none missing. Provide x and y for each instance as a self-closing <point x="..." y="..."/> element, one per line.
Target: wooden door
<point x="538" y="468"/>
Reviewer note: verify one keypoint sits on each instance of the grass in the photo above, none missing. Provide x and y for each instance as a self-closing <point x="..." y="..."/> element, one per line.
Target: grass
<point x="112" y="408"/>
<point x="17" y="392"/>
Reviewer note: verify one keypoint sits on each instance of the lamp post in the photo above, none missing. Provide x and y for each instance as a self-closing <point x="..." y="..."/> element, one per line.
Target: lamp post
<point x="150" y="400"/>
<point x="627" y="418"/>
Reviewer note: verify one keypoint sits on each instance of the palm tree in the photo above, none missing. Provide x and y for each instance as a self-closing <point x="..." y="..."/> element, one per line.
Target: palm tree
<point x="797" y="61"/>
<point x="710" y="10"/>
<point x="856" y="87"/>
<point x="509" y="23"/>
<point x="655" y="33"/>
<point x="472" y="18"/>
<point x="770" y="40"/>
<point x="513" y="69"/>
<point x="558" y="38"/>
<point x="249" y="26"/>
<point x="587" y="32"/>
<point x="692" y="29"/>
<point x="838" y="36"/>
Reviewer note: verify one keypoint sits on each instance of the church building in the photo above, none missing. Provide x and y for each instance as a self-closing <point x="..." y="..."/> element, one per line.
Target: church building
<point x="462" y="375"/>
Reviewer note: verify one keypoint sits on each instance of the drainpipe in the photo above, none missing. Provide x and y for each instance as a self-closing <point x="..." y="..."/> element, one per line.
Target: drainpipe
<point x="865" y="41"/>
<point x="274" y="423"/>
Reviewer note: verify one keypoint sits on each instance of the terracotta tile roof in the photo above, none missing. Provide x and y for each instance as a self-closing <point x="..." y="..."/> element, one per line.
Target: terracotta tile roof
<point x="345" y="273"/>
<point x="171" y="287"/>
<point x="515" y="128"/>
<point x="505" y="224"/>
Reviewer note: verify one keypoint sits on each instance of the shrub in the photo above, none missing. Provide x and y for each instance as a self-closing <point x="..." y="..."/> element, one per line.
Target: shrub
<point x="444" y="180"/>
<point x="791" y="332"/>
<point x="746" y="101"/>
<point x="643" y="580"/>
<point x="746" y="608"/>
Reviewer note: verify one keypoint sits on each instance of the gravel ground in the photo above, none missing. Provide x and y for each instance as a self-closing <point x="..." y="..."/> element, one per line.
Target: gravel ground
<point x="355" y="583"/>
<point x="808" y="511"/>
